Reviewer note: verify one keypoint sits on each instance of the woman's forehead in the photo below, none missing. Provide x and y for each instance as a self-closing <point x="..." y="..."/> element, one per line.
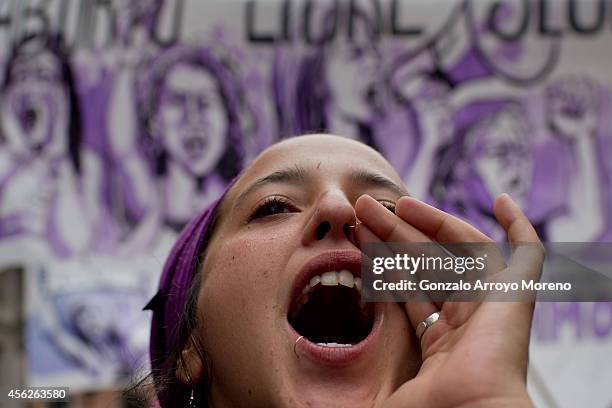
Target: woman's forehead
<point x="327" y="154"/>
<point x="315" y="157"/>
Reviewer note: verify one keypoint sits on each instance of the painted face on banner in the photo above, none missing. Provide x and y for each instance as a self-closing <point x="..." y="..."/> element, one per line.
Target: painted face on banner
<point x="35" y="104"/>
<point x="500" y="154"/>
<point x="353" y="75"/>
<point x="194" y="120"/>
<point x="352" y="68"/>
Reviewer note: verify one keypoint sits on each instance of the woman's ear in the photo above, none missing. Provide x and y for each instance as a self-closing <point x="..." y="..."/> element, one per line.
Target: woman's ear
<point x="189" y="365"/>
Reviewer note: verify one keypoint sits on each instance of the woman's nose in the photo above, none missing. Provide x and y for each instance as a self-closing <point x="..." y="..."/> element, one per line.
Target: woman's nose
<point x="332" y="218"/>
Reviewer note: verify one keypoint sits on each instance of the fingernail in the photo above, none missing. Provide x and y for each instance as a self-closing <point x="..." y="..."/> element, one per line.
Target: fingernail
<point x="507" y="197"/>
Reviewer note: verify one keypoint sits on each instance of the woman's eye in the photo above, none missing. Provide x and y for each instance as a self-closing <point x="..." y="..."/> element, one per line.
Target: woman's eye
<point x="388" y="205"/>
<point x="272" y="207"/>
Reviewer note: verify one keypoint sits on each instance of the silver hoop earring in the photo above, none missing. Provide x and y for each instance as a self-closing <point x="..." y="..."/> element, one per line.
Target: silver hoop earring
<point x="191" y="400"/>
<point x="295" y="346"/>
<point x="191" y="396"/>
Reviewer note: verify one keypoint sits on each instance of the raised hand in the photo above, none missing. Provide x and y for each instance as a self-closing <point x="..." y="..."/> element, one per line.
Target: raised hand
<point x="573" y="107"/>
<point x="476" y="353"/>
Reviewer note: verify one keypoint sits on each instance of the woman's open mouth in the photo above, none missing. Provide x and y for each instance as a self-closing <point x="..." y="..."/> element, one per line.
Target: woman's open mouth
<point x="330" y="310"/>
<point x="327" y="310"/>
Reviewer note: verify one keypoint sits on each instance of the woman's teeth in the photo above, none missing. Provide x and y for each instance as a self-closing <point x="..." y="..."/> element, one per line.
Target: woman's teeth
<point x="331" y="278"/>
<point x="333" y="345"/>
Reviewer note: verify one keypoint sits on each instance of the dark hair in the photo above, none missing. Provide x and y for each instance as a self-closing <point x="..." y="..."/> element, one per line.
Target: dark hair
<point x="151" y="82"/>
<point x="313" y="95"/>
<point x="161" y="382"/>
<point x="55" y="45"/>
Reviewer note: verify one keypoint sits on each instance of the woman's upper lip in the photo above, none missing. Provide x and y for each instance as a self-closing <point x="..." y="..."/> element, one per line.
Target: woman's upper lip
<point x="349" y="259"/>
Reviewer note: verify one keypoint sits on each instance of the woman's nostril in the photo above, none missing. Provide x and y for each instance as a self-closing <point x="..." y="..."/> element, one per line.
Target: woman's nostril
<point x="323" y="229"/>
<point x="347" y="230"/>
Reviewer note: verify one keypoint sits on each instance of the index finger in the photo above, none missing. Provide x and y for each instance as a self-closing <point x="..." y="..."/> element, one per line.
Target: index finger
<point x="436" y="223"/>
<point x="448" y="229"/>
<point x="384" y="223"/>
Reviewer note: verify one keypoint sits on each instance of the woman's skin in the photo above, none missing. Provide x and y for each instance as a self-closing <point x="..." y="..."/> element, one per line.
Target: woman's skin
<point x="475" y="355"/>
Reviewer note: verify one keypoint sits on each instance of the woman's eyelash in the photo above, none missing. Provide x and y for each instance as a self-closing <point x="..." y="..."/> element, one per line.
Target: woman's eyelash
<point x="272" y="206"/>
<point x="279" y="205"/>
<point x="388" y="205"/>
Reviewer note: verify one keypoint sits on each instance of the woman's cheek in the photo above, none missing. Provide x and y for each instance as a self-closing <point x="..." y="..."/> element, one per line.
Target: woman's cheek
<point x="245" y="272"/>
<point x="239" y="299"/>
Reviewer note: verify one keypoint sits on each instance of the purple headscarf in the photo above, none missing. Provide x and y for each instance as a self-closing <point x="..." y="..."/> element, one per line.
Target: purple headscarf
<point x="168" y="304"/>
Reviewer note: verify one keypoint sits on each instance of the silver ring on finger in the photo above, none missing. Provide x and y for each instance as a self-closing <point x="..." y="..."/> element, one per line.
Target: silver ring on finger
<point x="426" y="324"/>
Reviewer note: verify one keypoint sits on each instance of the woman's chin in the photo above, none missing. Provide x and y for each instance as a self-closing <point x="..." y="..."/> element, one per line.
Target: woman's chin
<point x="341" y="397"/>
<point x="349" y="386"/>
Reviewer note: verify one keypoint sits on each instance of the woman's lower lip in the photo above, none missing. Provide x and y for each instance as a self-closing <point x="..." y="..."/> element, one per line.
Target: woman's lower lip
<point x="337" y="356"/>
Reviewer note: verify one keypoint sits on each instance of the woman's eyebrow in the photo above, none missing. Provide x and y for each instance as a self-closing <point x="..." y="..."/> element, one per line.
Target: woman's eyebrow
<point x="297" y="175"/>
<point x="290" y="175"/>
<point x="367" y="178"/>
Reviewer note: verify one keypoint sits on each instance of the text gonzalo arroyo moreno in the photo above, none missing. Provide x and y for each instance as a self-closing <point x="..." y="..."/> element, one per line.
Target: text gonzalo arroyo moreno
<point x="403" y="263"/>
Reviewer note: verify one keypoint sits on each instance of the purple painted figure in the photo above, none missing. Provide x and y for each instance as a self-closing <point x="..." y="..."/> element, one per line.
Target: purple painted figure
<point x="324" y="102"/>
<point x="189" y="111"/>
<point x="130" y="192"/>
<point x="340" y="85"/>
<point x="463" y="53"/>
<point x="49" y="180"/>
<point x="134" y="20"/>
<point x="573" y="105"/>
